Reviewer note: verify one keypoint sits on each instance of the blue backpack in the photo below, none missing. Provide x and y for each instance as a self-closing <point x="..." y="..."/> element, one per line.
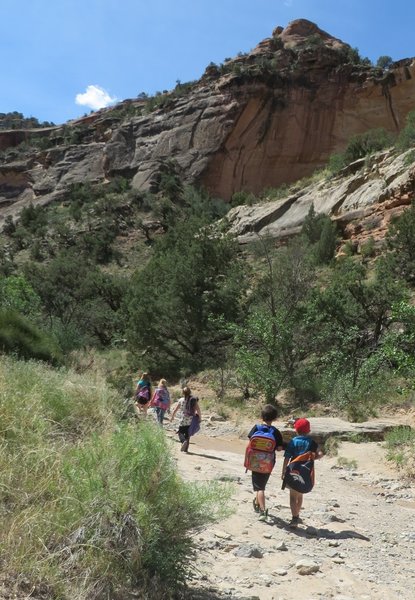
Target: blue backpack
<point x="260" y="452"/>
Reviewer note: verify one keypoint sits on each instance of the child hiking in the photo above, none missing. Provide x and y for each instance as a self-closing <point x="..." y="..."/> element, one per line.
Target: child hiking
<point x="189" y="406"/>
<point x="264" y="440"/>
<point x="161" y="400"/>
<point x="298" y="467"/>
<point x="143" y="394"/>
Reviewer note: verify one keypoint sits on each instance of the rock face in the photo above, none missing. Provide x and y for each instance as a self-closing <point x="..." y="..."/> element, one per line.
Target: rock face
<point x="262" y="119"/>
<point x="362" y="202"/>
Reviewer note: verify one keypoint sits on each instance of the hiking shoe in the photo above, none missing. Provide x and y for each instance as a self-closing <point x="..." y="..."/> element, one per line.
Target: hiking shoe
<point x="294" y="522"/>
<point x="256" y="505"/>
<point x="263" y="515"/>
<point x="185" y="446"/>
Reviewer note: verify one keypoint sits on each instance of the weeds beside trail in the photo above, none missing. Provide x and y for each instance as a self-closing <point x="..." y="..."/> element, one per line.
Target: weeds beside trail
<point x="90" y="507"/>
<point x="400" y="443"/>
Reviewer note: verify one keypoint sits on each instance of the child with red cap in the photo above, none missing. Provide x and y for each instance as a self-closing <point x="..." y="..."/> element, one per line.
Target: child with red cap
<point x="300" y="444"/>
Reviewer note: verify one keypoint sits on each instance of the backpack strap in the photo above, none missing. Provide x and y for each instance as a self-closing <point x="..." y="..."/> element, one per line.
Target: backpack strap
<point x="303" y="457"/>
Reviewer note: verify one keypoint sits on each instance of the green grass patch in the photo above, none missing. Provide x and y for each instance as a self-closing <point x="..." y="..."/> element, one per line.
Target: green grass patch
<point x="347" y="463"/>
<point x="91" y="507"/>
<point x="400" y="444"/>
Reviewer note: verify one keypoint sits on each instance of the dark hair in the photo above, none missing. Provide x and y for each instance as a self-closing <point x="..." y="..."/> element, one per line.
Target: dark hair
<point x="269" y="412"/>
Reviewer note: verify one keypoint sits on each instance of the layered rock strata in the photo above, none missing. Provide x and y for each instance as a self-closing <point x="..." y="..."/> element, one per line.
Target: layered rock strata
<point x="269" y="117"/>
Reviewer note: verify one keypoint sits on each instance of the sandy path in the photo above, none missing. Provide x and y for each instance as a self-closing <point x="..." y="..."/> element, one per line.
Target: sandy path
<point x="358" y="528"/>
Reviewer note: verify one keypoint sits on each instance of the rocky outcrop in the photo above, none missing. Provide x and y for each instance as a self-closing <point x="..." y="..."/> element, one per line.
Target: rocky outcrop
<point x="362" y="203"/>
<point x="262" y="119"/>
<point x="324" y="428"/>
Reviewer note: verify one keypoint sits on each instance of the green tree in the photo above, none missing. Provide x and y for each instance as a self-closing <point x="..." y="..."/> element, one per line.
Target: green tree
<point x="325" y="248"/>
<point x="18" y="295"/>
<point x="193" y="278"/>
<point x="320" y="233"/>
<point x="406" y="138"/>
<point x="384" y="62"/>
<point x="270" y="344"/>
<point x="81" y="303"/>
<point x="401" y="241"/>
<point x="349" y="319"/>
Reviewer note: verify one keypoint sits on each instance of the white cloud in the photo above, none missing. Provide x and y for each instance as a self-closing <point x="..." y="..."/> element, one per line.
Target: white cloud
<point x="95" y="97"/>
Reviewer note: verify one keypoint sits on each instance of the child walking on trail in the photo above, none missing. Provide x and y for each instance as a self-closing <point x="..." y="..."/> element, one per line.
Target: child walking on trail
<point x="301" y="444"/>
<point x="143" y="394"/>
<point x="161" y="400"/>
<point x="259" y="462"/>
<point x="189" y="405"/>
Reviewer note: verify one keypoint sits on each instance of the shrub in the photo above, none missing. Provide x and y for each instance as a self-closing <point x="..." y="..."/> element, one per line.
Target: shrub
<point x="406" y="138"/>
<point x="321" y="234"/>
<point x="243" y="198"/>
<point x="33" y="218"/>
<point x="331" y="446"/>
<point x="9" y="226"/>
<point x="400" y="443"/>
<point x="401" y="240"/>
<point x="359" y="146"/>
<point x="106" y="513"/>
<point x="347" y="463"/>
<point x="368" y="249"/>
<point x="21" y="337"/>
<point x="384" y="62"/>
<point x="314" y="41"/>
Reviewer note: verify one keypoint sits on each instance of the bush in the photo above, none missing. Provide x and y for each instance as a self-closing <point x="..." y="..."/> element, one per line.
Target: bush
<point x="406" y="138"/>
<point x="368" y="248"/>
<point x="91" y="507"/>
<point x="400" y="442"/>
<point x="359" y="146"/>
<point x="243" y="198"/>
<point x="320" y="233"/>
<point x="21" y="337"/>
<point x="384" y="62"/>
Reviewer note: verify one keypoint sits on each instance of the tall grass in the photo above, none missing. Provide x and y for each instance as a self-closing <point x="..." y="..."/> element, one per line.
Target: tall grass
<point x="89" y="507"/>
<point x="400" y="444"/>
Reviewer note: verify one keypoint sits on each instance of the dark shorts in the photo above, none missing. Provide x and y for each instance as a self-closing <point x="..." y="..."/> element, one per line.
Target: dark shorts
<point x="141" y="400"/>
<point x="259" y="481"/>
<point x="184" y="432"/>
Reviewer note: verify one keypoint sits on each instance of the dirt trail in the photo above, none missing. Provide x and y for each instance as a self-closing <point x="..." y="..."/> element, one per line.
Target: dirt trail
<point x="358" y="531"/>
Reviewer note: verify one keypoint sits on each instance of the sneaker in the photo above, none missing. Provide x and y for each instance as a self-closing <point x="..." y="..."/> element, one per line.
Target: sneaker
<point x="185" y="446"/>
<point x="256" y="505"/>
<point x="294" y="522"/>
<point x="263" y="515"/>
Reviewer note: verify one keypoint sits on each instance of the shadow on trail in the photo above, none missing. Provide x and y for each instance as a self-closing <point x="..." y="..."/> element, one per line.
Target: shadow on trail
<point x="206" y="456"/>
<point x="200" y="594"/>
<point x="314" y="532"/>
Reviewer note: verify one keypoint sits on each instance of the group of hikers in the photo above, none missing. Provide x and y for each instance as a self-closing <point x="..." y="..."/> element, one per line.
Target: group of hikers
<point x="264" y="441"/>
<point x="297" y="472"/>
<point x="188" y="404"/>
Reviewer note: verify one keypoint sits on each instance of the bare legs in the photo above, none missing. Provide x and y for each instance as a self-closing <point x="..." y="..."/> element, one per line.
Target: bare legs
<point x="141" y="409"/>
<point x="296" y="502"/>
<point x="260" y="498"/>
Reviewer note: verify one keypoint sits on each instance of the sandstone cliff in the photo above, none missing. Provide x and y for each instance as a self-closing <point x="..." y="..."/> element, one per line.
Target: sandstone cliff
<point x="268" y="117"/>
<point x="361" y="201"/>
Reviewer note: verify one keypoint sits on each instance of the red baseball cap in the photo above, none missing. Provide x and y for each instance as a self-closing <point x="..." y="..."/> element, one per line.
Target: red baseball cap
<point x="302" y="426"/>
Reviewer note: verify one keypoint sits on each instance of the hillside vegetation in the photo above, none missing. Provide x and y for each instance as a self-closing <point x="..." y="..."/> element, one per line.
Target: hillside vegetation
<point x="91" y="506"/>
<point x="156" y="273"/>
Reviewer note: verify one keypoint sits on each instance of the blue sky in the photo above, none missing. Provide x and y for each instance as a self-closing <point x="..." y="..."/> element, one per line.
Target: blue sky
<point x="54" y="51"/>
